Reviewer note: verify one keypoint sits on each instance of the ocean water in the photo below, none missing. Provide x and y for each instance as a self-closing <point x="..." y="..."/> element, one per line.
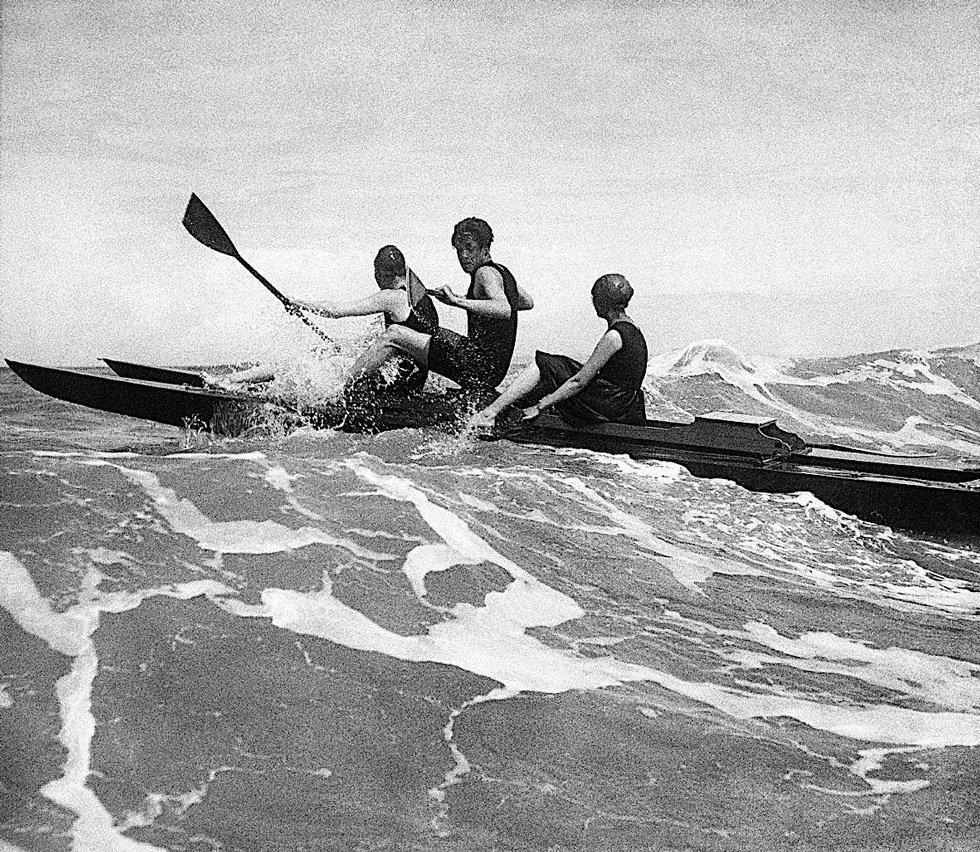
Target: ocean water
<point x="415" y="641"/>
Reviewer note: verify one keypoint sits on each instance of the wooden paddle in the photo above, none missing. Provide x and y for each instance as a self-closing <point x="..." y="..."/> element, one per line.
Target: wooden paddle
<point x="205" y="228"/>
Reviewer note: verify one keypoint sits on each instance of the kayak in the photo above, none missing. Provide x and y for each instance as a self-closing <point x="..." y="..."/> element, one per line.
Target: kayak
<point x="179" y="398"/>
<point x="906" y="492"/>
<point x="160" y="401"/>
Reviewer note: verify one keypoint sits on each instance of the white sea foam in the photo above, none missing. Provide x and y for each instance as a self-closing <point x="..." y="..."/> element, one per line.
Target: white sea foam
<point x="662" y="471"/>
<point x="705" y="357"/>
<point x="63" y="632"/>
<point x="104" y="555"/>
<point x="872" y="759"/>
<point x="906" y="586"/>
<point x="461" y="766"/>
<point x="244" y="536"/>
<point x="490" y="641"/>
<point x="688" y="567"/>
<point x="754" y="378"/>
<point x="70" y="633"/>
<point x="944" y="681"/>
<point x="154" y="804"/>
<point x="278" y="477"/>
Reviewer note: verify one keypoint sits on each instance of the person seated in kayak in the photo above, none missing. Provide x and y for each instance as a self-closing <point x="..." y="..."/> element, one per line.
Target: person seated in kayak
<point x="480" y="358"/>
<point x="607" y="387"/>
<point x="401" y="299"/>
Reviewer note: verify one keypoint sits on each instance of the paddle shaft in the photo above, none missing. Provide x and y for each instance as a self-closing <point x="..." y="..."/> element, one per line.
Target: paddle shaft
<point x="204" y="226"/>
<point x="290" y="307"/>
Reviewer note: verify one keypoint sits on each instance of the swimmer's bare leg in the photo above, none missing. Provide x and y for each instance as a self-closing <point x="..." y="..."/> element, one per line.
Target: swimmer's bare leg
<point x="396" y="340"/>
<point x="526" y="381"/>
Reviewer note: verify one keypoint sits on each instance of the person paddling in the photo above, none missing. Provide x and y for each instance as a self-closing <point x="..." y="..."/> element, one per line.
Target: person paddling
<point x="402" y="300"/>
<point x="480" y="359"/>
<point x="608" y="387"/>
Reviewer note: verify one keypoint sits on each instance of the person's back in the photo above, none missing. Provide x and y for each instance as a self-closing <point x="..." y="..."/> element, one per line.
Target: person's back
<point x="627" y="368"/>
<point x="608" y="387"/>
<point x="423" y="318"/>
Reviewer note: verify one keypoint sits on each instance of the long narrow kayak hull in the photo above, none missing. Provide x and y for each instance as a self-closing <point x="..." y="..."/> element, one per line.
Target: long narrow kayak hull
<point x="366" y="412"/>
<point x="229" y="413"/>
<point x="166" y="375"/>
<point x="169" y="404"/>
<point x="903" y="492"/>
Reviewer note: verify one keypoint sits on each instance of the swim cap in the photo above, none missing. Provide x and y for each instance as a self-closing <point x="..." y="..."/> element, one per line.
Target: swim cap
<point x="614" y="288"/>
<point x="389" y="263"/>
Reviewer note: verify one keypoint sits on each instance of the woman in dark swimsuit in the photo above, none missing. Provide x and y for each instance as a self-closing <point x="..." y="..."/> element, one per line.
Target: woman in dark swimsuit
<point x="608" y="387"/>
<point x="401" y="299"/>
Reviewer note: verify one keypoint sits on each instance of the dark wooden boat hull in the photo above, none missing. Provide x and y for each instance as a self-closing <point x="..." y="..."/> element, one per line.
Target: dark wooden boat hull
<point x="167" y="375"/>
<point x="228" y="413"/>
<point x="170" y="404"/>
<point x="904" y="492"/>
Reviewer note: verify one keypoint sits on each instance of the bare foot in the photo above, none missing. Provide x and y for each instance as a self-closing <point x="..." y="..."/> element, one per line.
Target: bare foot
<point x="482" y="421"/>
<point x="219" y="382"/>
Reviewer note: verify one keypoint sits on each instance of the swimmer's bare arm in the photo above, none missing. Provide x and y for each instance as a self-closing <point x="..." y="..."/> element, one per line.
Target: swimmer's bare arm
<point x="491" y="283"/>
<point x="390" y="302"/>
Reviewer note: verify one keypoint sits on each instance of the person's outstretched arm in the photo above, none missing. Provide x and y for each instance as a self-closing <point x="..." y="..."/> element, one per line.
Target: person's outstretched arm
<point x="382" y="302"/>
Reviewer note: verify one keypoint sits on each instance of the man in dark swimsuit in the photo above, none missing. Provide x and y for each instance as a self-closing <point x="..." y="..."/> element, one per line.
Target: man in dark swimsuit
<point x="480" y="359"/>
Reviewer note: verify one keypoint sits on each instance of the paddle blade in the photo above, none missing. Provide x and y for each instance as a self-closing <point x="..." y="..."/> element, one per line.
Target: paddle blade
<point x="203" y="227"/>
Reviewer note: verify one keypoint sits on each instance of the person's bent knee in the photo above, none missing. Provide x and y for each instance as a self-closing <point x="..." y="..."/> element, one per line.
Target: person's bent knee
<point x="404" y="341"/>
<point x="388" y="341"/>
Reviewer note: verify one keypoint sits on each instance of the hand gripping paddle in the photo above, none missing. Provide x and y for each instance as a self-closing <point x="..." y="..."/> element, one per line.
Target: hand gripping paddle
<point x="205" y="228"/>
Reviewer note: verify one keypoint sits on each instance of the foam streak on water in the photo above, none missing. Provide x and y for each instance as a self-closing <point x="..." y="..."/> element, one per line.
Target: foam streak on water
<point x="70" y="634"/>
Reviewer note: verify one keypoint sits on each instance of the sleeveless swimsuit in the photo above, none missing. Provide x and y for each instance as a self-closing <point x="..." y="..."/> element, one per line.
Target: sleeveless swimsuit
<point x="615" y="394"/>
<point x="422" y="317"/>
<point x="481" y="359"/>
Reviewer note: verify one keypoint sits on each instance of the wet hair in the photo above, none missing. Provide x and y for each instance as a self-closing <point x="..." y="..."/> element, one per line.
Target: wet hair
<point x="389" y="263"/>
<point x="613" y="289"/>
<point x="479" y="230"/>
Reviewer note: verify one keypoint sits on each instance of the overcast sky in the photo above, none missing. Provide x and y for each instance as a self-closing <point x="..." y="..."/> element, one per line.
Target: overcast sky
<point x="781" y="154"/>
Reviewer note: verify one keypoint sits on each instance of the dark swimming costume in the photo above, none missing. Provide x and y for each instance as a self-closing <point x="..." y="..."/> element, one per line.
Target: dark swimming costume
<point x="422" y="318"/>
<point x="615" y="394"/>
<point x="482" y="358"/>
